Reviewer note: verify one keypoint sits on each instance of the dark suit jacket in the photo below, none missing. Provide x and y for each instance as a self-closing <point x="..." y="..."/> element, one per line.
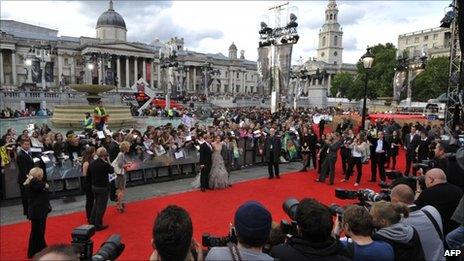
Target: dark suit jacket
<point x="385" y="148"/>
<point x="99" y="171"/>
<point x="423" y="151"/>
<point x="205" y="155"/>
<point x="113" y="150"/>
<point x="333" y="149"/>
<point x="411" y="145"/>
<point x="276" y="147"/>
<point x="25" y="164"/>
<point x="227" y="155"/>
<point x="38" y="202"/>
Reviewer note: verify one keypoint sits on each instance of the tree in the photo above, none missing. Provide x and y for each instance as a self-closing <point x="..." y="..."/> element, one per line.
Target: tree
<point x="341" y="83"/>
<point x="380" y="82"/>
<point x="433" y="81"/>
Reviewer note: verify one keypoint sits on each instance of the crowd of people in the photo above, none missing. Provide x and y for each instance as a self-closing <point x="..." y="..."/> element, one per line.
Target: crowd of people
<point x="279" y="137"/>
<point x="8" y="113"/>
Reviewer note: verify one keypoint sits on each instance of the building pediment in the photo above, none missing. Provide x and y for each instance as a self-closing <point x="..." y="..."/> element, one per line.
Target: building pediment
<point x="120" y="49"/>
<point x="122" y="46"/>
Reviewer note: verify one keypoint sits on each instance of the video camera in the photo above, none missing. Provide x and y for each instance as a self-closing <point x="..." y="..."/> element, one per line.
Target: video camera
<point x="83" y="245"/>
<point x="209" y="241"/>
<point x="290" y="227"/>
<point x="363" y="195"/>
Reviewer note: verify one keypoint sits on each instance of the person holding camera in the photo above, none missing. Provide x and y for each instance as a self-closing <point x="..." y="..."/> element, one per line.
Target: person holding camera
<point x="441" y="195"/>
<point x="314" y="240"/>
<point x="38" y="209"/>
<point x="426" y="220"/>
<point x="411" y="142"/>
<point x="455" y="238"/>
<point x="252" y="224"/>
<point x="172" y="236"/>
<point x="403" y="238"/>
<point x="99" y="170"/>
<point x="358" y="226"/>
<point x="358" y="146"/>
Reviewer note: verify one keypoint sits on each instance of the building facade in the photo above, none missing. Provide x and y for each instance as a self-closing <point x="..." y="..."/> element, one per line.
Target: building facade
<point x="435" y="42"/>
<point x="36" y="55"/>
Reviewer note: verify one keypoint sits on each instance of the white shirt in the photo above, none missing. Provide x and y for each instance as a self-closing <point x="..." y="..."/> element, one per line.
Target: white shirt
<point x="379" y="147"/>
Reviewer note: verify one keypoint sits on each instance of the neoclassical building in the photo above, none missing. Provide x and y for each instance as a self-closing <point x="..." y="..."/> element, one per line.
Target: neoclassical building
<point x="36" y="55"/>
<point x="329" y="61"/>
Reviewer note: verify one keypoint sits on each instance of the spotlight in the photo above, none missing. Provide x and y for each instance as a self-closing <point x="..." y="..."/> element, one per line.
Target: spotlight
<point x="448" y="19"/>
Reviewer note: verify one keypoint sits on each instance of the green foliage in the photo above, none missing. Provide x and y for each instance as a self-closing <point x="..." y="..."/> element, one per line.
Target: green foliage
<point x="342" y="83"/>
<point x="433" y="81"/>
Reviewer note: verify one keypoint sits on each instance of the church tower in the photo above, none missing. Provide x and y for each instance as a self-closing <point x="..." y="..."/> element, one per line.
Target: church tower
<point x="330" y="37"/>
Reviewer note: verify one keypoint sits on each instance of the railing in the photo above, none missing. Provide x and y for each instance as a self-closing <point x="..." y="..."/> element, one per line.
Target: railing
<point x="65" y="177"/>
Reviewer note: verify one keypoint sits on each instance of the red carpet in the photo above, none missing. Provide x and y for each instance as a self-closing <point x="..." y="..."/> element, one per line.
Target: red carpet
<point x="211" y="212"/>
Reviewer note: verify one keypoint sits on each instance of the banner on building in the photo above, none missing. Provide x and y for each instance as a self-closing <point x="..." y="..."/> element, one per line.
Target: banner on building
<point x="399" y="85"/>
<point x="49" y="72"/>
<point x="36" y="71"/>
<point x="109" y="77"/>
<point x="264" y="66"/>
<point x="283" y="60"/>
<point x="273" y="101"/>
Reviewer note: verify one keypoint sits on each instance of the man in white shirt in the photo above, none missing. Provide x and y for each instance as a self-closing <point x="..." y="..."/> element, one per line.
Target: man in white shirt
<point x="426" y="221"/>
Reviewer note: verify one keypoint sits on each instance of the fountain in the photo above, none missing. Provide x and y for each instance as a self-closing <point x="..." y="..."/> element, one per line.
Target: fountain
<point x="72" y="115"/>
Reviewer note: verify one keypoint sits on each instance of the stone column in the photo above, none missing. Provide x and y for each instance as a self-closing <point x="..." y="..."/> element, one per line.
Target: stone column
<point x="100" y="72"/>
<point x="144" y="70"/>
<point x="229" y="89"/>
<point x="13" y="66"/>
<point x="136" y="71"/>
<point x="73" y="69"/>
<point x="188" y="79"/>
<point x="60" y="67"/>
<point x="329" y="82"/>
<point x="152" y="74"/>
<point x="2" y="77"/>
<point x="194" y="79"/>
<point x="127" y="72"/>
<point x="118" y="71"/>
<point x="158" y="79"/>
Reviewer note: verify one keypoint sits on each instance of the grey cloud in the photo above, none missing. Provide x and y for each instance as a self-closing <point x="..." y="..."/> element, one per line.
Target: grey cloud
<point x="350" y="43"/>
<point x="351" y="15"/>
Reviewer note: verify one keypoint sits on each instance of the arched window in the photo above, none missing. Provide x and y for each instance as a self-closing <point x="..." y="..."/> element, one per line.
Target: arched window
<point x="323" y="41"/>
<point x="331" y="16"/>
<point x="335" y="16"/>
<point x="335" y="40"/>
<point x="327" y="17"/>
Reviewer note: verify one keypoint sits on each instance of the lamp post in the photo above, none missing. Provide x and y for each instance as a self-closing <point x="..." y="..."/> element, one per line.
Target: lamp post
<point x="43" y="54"/>
<point x="413" y="64"/>
<point x="367" y="59"/>
<point x="168" y="60"/>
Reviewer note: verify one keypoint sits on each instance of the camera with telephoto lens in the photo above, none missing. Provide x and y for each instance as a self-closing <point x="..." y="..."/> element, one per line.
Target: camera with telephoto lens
<point x="425" y="165"/>
<point x="363" y="195"/>
<point x="337" y="209"/>
<point x="398" y="178"/>
<point x="289" y="227"/>
<point x="83" y="244"/>
<point x="209" y="241"/>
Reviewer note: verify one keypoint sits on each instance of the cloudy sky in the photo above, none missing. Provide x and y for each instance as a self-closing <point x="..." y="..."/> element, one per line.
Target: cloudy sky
<point x="211" y="26"/>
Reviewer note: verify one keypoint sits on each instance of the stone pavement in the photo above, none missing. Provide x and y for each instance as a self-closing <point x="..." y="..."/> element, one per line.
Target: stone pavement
<point x="13" y="213"/>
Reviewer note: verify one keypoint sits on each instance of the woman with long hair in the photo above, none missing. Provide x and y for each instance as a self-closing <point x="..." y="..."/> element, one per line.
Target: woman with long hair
<point x="87" y="157"/>
<point x="358" y="147"/>
<point x="120" y="165"/>
<point x="395" y="144"/>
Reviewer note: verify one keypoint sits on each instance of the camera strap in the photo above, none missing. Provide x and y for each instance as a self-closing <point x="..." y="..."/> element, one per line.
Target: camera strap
<point x="434" y="222"/>
<point x="234" y="251"/>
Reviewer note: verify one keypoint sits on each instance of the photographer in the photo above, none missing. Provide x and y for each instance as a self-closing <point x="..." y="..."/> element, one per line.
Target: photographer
<point x="455" y="239"/>
<point x="59" y="252"/>
<point x="252" y="224"/>
<point x="314" y="240"/>
<point x="403" y="238"/>
<point x="172" y="236"/>
<point x="357" y="225"/>
<point x="427" y="222"/>
<point x="441" y="195"/>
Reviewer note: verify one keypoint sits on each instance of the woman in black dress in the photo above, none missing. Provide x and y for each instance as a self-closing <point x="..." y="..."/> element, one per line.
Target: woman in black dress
<point x="305" y="141"/>
<point x="38" y="209"/>
<point x="322" y="152"/>
<point x="395" y="144"/>
<point x="87" y="157"/>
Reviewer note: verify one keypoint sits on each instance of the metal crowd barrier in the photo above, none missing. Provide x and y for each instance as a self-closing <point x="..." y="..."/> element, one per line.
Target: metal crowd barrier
<point x="65" y="177"/>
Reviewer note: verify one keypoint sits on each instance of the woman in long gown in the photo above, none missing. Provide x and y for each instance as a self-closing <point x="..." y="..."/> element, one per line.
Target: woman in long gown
<point x="218" y="178"/>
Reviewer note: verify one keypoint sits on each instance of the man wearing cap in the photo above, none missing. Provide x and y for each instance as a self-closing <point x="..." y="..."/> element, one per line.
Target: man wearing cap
<point x="252" y="224"/>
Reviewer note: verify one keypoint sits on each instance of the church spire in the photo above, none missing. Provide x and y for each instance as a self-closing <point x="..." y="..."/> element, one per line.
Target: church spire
<point x="331" y="12"/>
<point x="110" y="6"/>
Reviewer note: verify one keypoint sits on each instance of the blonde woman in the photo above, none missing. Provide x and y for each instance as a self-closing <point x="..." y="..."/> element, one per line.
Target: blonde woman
<point x="120" y="165"/>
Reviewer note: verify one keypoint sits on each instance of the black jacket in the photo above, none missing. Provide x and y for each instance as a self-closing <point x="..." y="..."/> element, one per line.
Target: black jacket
<point x="113" y="150"/>
<point x="38" y="201"/>
<point x="276" y="147"/>
<point x="205" y="154"/>
<point x="99" y="171"/>
<point x="25" y="164"/>
<point x="297" y="249"/>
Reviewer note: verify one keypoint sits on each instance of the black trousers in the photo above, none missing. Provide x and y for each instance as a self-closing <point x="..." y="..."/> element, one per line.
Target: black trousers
<point x="204" y="177"/>
<point x="345" y="162"/>
<point x="99" y="206"/>
<point x="23" y="198"/>
<point x="273" y="166"/>
<point x="312" y="156"/>
<point x="328" y="168"/>
<point x="409" y="159"/>
<point x="393" y="160"/>
<point x="349" y="171"/>
<point x="373" y="166"/>
<point x="89" y="200"/>
<point x="381" y="158"/>
<point x="37" y="237"/>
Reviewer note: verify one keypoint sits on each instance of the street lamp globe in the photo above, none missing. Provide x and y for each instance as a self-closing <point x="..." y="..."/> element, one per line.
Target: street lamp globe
<point x="90" y="66"/>
<point x="367" y="59"/>
<point x="28" y="62"/>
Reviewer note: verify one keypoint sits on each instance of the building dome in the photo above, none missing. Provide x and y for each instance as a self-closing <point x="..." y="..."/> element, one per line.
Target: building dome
<point x="111" y="18"/>
<point x="232" y="46"/>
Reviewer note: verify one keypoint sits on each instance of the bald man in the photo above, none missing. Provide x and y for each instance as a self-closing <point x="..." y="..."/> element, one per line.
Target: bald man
<point x="441" y="195"/>
<point x="426" y="221"/>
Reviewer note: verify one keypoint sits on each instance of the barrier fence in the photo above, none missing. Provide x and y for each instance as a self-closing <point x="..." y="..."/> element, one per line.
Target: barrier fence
<point x="65" y="176"/>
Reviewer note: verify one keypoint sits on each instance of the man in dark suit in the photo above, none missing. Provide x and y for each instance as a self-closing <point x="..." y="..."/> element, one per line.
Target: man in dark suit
<point x="411" y="142"/>
<point x="328" y="166"/>
<point x="205" y="162"/>
<point x="227" y="154"/>
<point x="113" y="148"/>
<point x="99" y="170"/>
<point x="25" y="164"/>
<point x="381" y="148"/>
<point x="272" y="147"/>
<point x="312" y="148"/>
<point x="372" y="138"/>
